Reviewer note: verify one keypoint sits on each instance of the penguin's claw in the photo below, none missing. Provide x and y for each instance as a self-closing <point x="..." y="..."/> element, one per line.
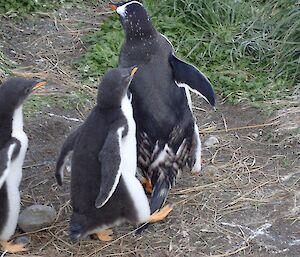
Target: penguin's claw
<point x="161" y="214"/>
<point x="12" y="248"/>
<point x="105" y="235"/>
<point x="196" y="173"/>
<point x="147" y="184"/>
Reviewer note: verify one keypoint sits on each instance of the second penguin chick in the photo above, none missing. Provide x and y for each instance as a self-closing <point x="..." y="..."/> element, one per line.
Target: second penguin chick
<point x="104" y="187"/>
<point x="13" y="147"/>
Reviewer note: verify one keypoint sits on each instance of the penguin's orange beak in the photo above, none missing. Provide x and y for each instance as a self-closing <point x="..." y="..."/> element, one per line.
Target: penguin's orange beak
<point x="39" y="84"/>
<point x="134" y="70"/>
<point x="113" y="7"/>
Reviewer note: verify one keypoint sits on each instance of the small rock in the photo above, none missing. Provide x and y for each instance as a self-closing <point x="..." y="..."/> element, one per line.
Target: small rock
<point x="24" y="240"/>
<point x="254" y="135"/>
<point x="185" y="233"/>
<point x="212" y="140"/>
<point x="36" y="217"/>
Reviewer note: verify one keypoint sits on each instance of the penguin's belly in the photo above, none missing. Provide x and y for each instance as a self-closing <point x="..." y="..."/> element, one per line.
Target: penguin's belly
<point x="129" y="141"/>
<point x="12" y="187"/>
<point x="133" y="185"/>
<point x="13" y="200"/>
<point x="129" y="166"/>
<point x="17" y="163"/>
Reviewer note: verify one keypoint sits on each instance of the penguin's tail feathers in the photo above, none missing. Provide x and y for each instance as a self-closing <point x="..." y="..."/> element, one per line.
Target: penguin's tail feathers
<point x="63" y="163"/>
<point x="64" y="157"/>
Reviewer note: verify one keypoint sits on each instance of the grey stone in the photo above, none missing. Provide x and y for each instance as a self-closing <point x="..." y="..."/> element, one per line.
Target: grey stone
<point x="254" y="135"/>
<point x="36" y="217"/>
<point x="211" y="141"/>
<point x="24" y="240"/>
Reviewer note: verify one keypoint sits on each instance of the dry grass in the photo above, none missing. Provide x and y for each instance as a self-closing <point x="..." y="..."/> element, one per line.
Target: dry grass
<point x="216" y="214"/>
<point x="249" y="180"/>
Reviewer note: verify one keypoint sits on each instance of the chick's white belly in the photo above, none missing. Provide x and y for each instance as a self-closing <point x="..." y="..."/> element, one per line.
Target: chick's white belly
<point x="128" y="166"/>
<point x="13" y="210"/>
<point x="12" y="186"/>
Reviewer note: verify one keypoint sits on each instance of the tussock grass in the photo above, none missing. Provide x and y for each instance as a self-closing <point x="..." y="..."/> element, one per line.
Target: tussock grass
<point x="249" y="49"/>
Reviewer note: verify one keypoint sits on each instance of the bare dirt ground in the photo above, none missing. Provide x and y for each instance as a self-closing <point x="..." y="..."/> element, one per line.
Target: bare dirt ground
<point x="246" y="202"/>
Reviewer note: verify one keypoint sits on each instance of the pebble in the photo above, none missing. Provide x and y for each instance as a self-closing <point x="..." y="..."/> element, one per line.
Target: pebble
<point x="36" y="217"/>
<point x="211" y="141"/>
<point x="24" y="240"/>
<point x="254" y="135"/>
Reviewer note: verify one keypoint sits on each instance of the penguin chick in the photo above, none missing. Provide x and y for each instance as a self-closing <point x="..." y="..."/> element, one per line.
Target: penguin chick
<point x="104" y="188"/>
<point x="167" y="134"/>
<point x="13" y="147"/>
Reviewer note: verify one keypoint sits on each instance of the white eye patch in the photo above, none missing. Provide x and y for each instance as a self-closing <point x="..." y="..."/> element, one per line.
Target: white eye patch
<point x="121" y="10"/>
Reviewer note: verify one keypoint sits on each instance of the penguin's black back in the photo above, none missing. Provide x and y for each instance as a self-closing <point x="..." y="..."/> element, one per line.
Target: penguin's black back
<point x="5" y="129"/>
<point x="86" y="168"/>
<point x="6" y="117"/>
<point x="158" y="103"/>
<point x="86" y="174"/>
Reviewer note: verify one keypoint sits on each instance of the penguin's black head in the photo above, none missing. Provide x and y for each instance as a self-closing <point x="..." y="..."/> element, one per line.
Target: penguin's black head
<point x="14" y="92"/>
<point x="114" y="86"/>
<point x="134" y="19"/>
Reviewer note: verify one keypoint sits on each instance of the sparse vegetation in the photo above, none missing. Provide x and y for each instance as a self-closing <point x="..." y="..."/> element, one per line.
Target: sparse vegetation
<point x="245" y="203"/>
<point x="5" y="64"/>
<point x="77" y="99"/>
<point x="28" y="6"/>
<point x="249" y="49"/>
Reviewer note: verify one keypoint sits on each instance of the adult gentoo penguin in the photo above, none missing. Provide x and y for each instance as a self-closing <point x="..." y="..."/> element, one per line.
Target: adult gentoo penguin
<point x="13" y="146"/>
<point x="104" y="188"/>
<point x="167" y="134"/>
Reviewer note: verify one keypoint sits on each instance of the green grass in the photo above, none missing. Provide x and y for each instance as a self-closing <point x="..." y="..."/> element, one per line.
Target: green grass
<point x="26" y="6"/>
<point x="249" y="49"/>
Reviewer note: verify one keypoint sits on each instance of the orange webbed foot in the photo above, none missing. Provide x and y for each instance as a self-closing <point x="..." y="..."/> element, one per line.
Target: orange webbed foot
<point x="161" y="214"/>
<point x="105" y="235"/>
<point x="12" y="248"/>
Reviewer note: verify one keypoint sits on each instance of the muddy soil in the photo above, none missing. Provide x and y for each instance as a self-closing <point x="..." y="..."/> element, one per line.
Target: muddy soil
<point x="245" y="203"/>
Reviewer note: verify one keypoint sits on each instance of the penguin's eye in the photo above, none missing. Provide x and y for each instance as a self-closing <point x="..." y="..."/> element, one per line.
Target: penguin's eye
<point x="27" y="90"/>
<point x="126" y="80"/>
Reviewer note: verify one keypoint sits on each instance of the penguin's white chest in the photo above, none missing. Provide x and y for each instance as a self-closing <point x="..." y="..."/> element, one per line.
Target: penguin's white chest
<point x="129" y="141"/>
<point x="18" y="133"/>
<point x="14" y="177"/>
<point x="129" y="165"/>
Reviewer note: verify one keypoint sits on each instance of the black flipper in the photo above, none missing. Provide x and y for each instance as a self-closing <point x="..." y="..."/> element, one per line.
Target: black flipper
<point x="189" y="75"/>
<point x="66" y="150"/>
<point x="110" y="159"/>
<point x="7" y="154"/>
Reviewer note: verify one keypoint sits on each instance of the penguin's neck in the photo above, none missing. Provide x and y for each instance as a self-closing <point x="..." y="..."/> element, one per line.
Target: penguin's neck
<point x="126" y="106"/>
<point x="139" y="31"/>
<point x="137" y="37"/>
<point x="17" y="122"/>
